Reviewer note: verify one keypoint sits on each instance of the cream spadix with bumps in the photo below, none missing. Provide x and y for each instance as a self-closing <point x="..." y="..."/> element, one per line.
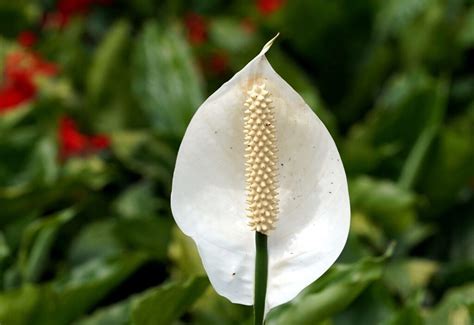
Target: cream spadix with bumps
<point x="256" y="158"/>
<point x="260" y="159"/>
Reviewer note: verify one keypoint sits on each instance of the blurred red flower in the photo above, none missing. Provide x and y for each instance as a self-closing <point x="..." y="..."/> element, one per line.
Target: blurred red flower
<point x="247" y="25"/>
<point x="219" y="63"/>
<point x="65" y="9"/>
<point x="196" y="27"/>
<point x="15" y="94"/>
<point x="267" y="7"/>
<point x="99" y="142"/>
<point x="18" y="86"/>
<point x="27" y="39"/>
<point x="71" y="7"/>
<point x="54" y="19"/>
<point x="73" y="142"/>
<point x="27" y="65"/>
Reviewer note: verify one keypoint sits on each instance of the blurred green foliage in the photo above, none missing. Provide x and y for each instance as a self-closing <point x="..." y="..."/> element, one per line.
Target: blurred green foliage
<point x="88" y="238"/>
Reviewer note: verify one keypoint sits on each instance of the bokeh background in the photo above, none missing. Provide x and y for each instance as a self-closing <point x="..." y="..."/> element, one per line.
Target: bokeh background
<point x="95" y="96"/>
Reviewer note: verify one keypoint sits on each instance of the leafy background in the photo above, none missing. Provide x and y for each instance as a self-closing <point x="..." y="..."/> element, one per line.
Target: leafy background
<point x="95" y="96"/>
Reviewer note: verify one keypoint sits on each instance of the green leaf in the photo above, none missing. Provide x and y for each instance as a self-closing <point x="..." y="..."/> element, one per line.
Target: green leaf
<point x="139" y="225"/>
<point x="331" y="293"/>
<point x="229" y="34"/>
<point x="466" y="31"/>
<point x="160" y="305"/>
<point x="410" y="314"/>
<point x="165" y="81"/>
<point x="371" y="72"/>
<point x="86" y="285"/>
<point x="456" y="308"/>
<point x="4" y="249"/>
<point x="106" y="59"/>
<point x="405" y="103"/>
<point x="65" y="48"/>
<point x="396" y="15"/>
<point x="117" y="314"/>
<point x="149" y="235"/>
<point x="95" y="240"/>
<point x="36" y="244"/>
<point x="212" y="308"/>
<point x="137" y="201"/>
<point x="108" y="86"/>
<point x="64" y="300"/>
<point x="13" y="118"/>
<point x="364" y="227"/>
<point x="17" y="307"/>
<point x="16" y="16"/>
<point x="385" y="202"/>
<point x="373" y="306"/>
<point x="316" y="33"/>
<point x="146" y="154"/>
<point x="40" y="168"/>
<point x="407" y="276"/>
<point x="172" y="299"/>
<point x="416" y="158"/>
<point x="91" y="172"/>
<point x="450" y="164"/>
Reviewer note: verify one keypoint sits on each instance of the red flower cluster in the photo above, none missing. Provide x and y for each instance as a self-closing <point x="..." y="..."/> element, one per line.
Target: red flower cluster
<point x="18" y="85"/>
<point x="196" y="27"/>
<point x="73" y="142"/>
<point x="267" y="7"/>
<point x="65" y="9"/>
<point x="27" y="39"/>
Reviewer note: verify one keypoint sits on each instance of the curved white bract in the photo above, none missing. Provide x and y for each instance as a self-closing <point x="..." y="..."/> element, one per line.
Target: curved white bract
<point x="209" y="198"/>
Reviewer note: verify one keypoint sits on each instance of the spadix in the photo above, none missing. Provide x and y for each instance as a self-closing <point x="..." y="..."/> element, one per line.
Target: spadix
<point x="260" y="159"/>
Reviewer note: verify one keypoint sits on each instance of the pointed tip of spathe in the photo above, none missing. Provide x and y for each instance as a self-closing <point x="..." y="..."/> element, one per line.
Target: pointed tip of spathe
<point x="269" y="44"/>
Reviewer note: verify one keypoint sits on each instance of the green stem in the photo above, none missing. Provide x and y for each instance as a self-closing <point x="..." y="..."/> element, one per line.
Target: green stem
<point x="261" y="275"/>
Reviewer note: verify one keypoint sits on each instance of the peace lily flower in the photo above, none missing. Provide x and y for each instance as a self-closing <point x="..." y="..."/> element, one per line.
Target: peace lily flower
<point x="256" y="158"/>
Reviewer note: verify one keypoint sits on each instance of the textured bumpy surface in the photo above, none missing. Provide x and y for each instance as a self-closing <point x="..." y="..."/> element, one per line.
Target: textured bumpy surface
<point x="260" y="159"/>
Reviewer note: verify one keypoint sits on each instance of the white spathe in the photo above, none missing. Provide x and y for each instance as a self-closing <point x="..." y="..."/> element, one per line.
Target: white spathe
<point x="208" y="198"/>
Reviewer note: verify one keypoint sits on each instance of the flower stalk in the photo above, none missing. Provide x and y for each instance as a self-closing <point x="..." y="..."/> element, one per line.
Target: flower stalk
<point x="261" y="277"/>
